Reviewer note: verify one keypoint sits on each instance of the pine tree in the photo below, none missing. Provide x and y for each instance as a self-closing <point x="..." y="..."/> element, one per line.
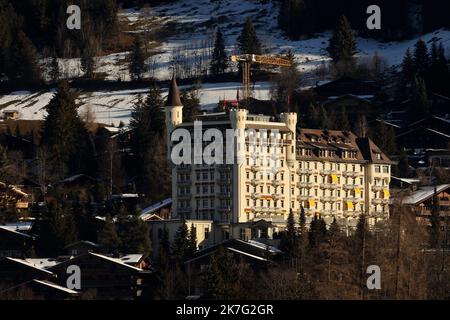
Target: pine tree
<point x="164" y="248"/>
<point x="137" y="60"/>
<point x="55" y="73"/>
<point x="343" y="122"/>
<point x="408" y="71"/>
<point x="134" y="235"/>
<point x="421" y="58"/>
<point x="219" y="61"/>
<point x="180" y="247"/>
<point x="221" y="279"/>
<point x="419" y="106"/>
<point x="290" y="236"/>
<point x="87" y="61"/>
<point x="192" y="248"/>
<point x="342" y="46"/>
<point x="191" y="105"/>
<point x="24" y="62"/>
<point x="149" y="145"/>
<point x="108" y="237"/>
<point x="248" y="41"/>
<point x="65" y="134"/>
<point x="384" y="137"/>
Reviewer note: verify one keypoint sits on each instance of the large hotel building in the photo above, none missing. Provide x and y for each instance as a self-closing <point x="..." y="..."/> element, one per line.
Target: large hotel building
<point x="334" y="174"/>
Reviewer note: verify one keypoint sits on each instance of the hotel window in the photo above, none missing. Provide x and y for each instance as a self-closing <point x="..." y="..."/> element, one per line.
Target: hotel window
<point x="292" y="204"/>
<point x="353" y="167"/>
<point x="292" y="191"/>
<point x="261" y="203"/>
<point x="205" y="175"/>
<point x="198" y="175"/>
<point x="261" y="189"/>
<point x="268" y="189"/>
<point x="282" y="190"/>
<point x="385" y="169"/>
<point x="282" y="203"/>
<point x="248" y="175"/>
<point x="361" y="181"/>
<point x="248" y="188"/>
<point x="282" y="176"/>
<point x="377" y="169"/>
<point x="211" y="203"/>
<point x="205" y="189"/>
<point x="206" y="233"/>
<point x="292" y="177"/>
<point x="378" y="156"/>
<point x="205" y="203"/>
<point x="282" y="163"/>
<point x="248" y="202"/>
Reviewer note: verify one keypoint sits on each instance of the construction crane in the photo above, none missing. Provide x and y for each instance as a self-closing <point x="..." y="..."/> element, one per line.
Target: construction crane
<point x="248" y="59"/>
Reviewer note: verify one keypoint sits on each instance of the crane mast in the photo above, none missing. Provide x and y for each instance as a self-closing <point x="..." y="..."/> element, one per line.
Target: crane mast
<point x="248" y="59"/>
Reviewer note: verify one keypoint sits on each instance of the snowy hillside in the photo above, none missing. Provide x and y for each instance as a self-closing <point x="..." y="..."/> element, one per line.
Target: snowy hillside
<point x="193" y="24"/>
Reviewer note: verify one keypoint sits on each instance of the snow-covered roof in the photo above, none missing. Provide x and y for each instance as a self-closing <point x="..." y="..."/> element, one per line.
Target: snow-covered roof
<point x="16" y="232"/>
<point x="28" y="264"/>
<point x="115" y="260"/>
<point x="132" y="258"/>
<point x="146" y="212"/>
<point x="406" y="180"/>
<point x="42" y="262"/>
<point x="424" y="193"/>
<point x="260" y="245"/>
<point x="18" y="226"/>
<point x="55" y="286"/>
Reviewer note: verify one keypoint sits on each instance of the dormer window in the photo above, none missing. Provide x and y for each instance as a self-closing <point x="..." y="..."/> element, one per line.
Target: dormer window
<point x="378" y="156"/>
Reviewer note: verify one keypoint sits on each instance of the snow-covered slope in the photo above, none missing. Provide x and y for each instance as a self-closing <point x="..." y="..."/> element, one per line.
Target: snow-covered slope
<point x="194" y="24"/>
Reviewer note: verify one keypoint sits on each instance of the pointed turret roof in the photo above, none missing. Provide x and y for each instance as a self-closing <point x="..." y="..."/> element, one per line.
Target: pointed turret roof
<point x="173" y="99"/>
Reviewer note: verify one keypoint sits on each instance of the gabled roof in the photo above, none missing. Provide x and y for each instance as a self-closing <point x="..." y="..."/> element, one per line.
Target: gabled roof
<point x="88" y="243"/>
<point x="100" y="256"/>
<point x="8" y="229"/>
<point x="424" y="193"/>
<point x="370" y="150"/>
<point x="54" y="286"/>
<point x="173" y="98"/>
<point x="29" y="265"/>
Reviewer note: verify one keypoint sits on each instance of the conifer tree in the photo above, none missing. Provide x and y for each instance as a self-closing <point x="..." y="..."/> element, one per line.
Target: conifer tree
<point x="290" y="236"/>
<point x="192" y="240"/>
<point x="419" y="106"/>
<point x="248" y="41"/>
<point x="408" y="72"/>
<point x="180" y="247"/>
<point x="219" y="61"/>
<point x="149" y="145"/>
<point x="222" y="279"/>
<point x="164" y="248"/>
<point x="342" y="46"/>
<point x="343" y="122"/>
<point x="137" y="60"/>
<point x="87" y="61"/>
<point x="24" y="62"/>
<point x="384" y="137"/>
<point x="108" y="237"/>
<point x="134" y="235"/>
<point x="55" y="72"/>
<point x="65" y="135"/>
<point x="421" y="58"/>
<point x="191" y="105"/>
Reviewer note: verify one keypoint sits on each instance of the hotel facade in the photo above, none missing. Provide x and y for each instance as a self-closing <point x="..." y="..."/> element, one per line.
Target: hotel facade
<point x="278" y="168"/>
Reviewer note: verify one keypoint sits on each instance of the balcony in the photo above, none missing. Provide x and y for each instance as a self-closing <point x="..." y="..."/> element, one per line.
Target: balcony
<point x="184" y="182"/>
<point x="255" y="181"/>
<point x="184" y="210"/>
<point x="276" y="182"/>
<point x="224" y="180"/>
<point x="225" y="194"/>
<point x="302" y="198"/>
<point x="224" y="208"/>
<point x="255" y="168"/>
<point x="350" y="186"/>
<point x="184" y="168"/>
<point x="377" y="187"/>
<point x="256" y="195"/>
<point x="184" y="195"/>
<point x="277" y="196"/>
<point x="377" y="201"/>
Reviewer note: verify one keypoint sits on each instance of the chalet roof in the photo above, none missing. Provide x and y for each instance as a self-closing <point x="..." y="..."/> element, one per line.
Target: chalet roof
<point x="173" y="98"/>
<point x="28" y="264"/>
<point x="88" y="243"/>
<point x="252" y="249"/>
<point x="424" y="193"/>
<point x="147" y="212"/>
<point x="54" y="286"/>
<point x="8" y="229"/>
